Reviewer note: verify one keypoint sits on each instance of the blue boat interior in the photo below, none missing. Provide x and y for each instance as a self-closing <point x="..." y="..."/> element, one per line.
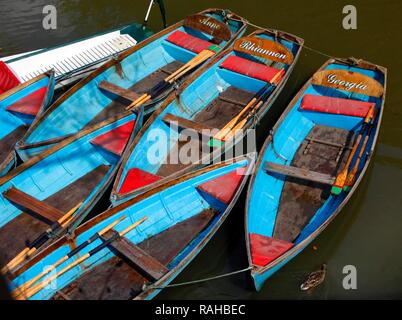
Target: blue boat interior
<point x="284" y="210"/>
<point x="137" y="73"/>
<point x="44" y="189"/>
<point x="211" y="100"/>
<point x="175" y="223"/>
<point x="17" y="112"/>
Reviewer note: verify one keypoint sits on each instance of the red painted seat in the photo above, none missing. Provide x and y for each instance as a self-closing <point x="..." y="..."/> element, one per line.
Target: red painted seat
<point x="224" y="188"/>
<point x="29" y="104"/>
<point x="189" y="42"/>
<point x="8" y="80"/>
<point x="333" y="105"/>
<point x="115" y="140"/>
<point x="249" y="68"/>
<point x="137" y="178"/>
<point x="266" y="249"/>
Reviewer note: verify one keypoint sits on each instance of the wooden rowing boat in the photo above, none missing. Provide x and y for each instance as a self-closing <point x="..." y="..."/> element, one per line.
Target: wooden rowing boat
<point x="19" y="107"/>
<point x="313" y="163"/>
<point x="207" y="102"/>
<point x="122" y="80"/>
<point x="168" y="226"/>
<point x="74" y="60"/>
<point x="73" y="174"/>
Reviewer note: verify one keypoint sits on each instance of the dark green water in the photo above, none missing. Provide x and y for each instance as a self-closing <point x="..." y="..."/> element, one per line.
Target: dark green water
<point x="368" y="232"/>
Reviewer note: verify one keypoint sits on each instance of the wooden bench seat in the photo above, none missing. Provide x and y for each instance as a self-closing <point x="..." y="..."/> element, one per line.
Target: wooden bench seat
<point x="134" y="255"/>
<point x="299" y="173"/>
<point x="188" y="124"/>
<point x="118" y="91"/>
<point x="45" y="211"/>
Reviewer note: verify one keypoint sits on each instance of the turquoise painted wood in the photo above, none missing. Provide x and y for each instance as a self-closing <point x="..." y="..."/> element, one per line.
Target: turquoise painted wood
<point x="266" y="189"/>
<point x="173" y="203"/>
<point x="67" y="172"/>
<point x="19" y="107"/>
<point x="157" y="138"/>
<point x="82" y="103"/>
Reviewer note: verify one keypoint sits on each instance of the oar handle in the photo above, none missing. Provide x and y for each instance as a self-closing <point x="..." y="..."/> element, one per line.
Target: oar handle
<point x="72" y="253"/>
<point x="40" y="286"/>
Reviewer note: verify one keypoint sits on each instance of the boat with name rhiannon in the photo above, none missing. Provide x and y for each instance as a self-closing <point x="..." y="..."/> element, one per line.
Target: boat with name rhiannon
<point x="221" y="101"/>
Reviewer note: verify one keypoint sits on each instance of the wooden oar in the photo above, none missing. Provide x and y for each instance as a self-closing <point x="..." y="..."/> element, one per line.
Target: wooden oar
<point x="29" y="283"/>
<point x="31" y="249"/>
<point x="341" y="177"/>
<point x="350" y="180"/>
<point x="36" y="288"/>
<point x="242" y="123"/>
<point x="226" y="130"/>
<point x="161" y="86"/>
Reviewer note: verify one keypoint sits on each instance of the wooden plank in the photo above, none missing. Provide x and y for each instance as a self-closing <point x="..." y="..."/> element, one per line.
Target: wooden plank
<point x="226" y="99"/>
<point x="37" y="207"/>
<point x="209" y="25"/>
<point x="188" y="124"/>
<point x="300" y="173"/>
<point x="348" y="81"/>
<point x="264" y="48"/>
<point x="118" y="91"/>
<point x="137" y="257"/>
<point x="329" y="143"/>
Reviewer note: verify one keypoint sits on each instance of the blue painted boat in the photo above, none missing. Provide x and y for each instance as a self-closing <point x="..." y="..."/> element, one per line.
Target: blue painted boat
<point x="116" y="84"/>
<point x="298" y="188"/>
<point x="169" y="226"/>
<point x="19" y="107"/>
<point x="67" y="179"/>
<point x="213" y="97"/>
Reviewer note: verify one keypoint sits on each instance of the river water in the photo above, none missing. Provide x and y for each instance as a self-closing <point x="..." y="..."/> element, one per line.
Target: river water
<point x="368" y="232"/>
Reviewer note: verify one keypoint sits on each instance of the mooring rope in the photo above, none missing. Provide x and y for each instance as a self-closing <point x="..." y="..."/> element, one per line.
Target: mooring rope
<point x="197" y="281"/>
<point x="304" y="46"/>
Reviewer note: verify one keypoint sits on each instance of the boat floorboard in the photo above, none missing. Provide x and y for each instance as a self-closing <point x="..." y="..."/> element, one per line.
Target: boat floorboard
<point x="216" y="115"/>
<point x="7" y="144"/>
<point x="29" y="228"/>
<point x="300" y="198"/>
<point x="116" y="279"/>
<point x="143" y="86"/>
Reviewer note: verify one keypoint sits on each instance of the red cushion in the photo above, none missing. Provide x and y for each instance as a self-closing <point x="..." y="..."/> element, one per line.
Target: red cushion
<point x="266" y="249"/>
<point x="333" y="105"/>
<point x="115" y="140"/>
<point x="188" y="41"/>
<point x="249" y="68"/>
<point x="8" y="80"/>
<point x="29" y="104"/>
<point x="137" y="178"/>
<point x="224" y="187"/>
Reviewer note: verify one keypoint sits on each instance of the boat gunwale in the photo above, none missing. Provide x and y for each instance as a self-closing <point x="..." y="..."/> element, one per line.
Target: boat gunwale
<point x="71" y="239"/>
<point x="301" y="245"/>
<point x="115" y="196"/>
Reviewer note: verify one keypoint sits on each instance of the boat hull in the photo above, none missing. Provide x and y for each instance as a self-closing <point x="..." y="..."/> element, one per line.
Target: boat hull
<point x="268" y="193"/>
